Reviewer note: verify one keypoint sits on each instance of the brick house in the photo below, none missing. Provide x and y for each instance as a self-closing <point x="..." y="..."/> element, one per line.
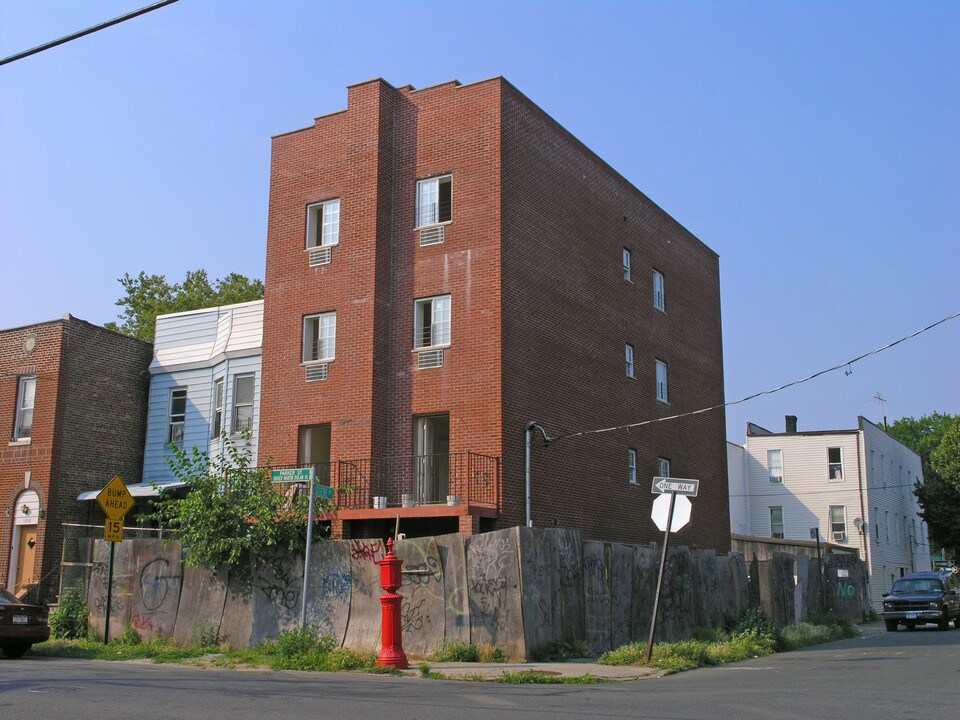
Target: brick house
<point x="444" y="266"/>
<point x="74" y="398"/>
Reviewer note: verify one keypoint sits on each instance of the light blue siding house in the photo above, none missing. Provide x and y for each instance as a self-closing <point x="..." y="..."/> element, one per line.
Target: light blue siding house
<point x="205" y="379"/>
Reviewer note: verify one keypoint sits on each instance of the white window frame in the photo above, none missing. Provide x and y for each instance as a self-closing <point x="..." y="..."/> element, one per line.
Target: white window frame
<point x="662" y="391"/>
<point x="628" y="352"/>
<point x="428" y="194"/>
<point x="772" y="454"/>
<point x="773" y="533"/>
<point x="832" y="467"/>
<point x="236" y="426"/>
<point x="659" y="301"/>
<point x="323" y="224"/>
<point x="834" y="524"/>
<point x="663" y="466"/>
<point x="319" y="343"/>
<point x="626" y="265"/>
<point x="440" y="321"/>
<point x="26" y="400"/>
<point x="175" y="419"/>
<point x="217" y="420"/>
<point x="632" y="466"/>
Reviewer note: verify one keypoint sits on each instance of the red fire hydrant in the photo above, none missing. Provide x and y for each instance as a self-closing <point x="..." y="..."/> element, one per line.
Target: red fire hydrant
<point x="391" y="648"/>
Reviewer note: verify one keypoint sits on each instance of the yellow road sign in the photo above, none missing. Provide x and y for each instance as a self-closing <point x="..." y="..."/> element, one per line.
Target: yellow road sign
<point x="113" y="530"/>
<point x="115" y="499"/>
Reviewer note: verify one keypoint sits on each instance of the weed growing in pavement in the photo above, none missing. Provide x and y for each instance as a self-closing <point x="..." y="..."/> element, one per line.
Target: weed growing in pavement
<point x="457" y="651"/>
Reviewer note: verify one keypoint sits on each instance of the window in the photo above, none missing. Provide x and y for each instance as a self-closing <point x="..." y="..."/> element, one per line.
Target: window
<point x="320" y="337"/>
<point x="658" y="301"/>
<point x="217" y="408"/>
<point x="626" y="265"/>
<point x="664" y="467"/>
<point x="776" y="522"/>
<point x="876" y="522"/>
<point x="434" y="201"/>
<point x="323" y="224"/>
<point x="775" y="465"/>
<point x="629" y="354"/>
<point x="176" y="416"/>
<point x="838" y="522"/>
<point x="661" y="381"/>
<point x="26" y="394"/>
<point x="431" y="324"/>
<point x="632" y="466"/>
<point x="835" y="464"/>
<point x="242" y="402"/>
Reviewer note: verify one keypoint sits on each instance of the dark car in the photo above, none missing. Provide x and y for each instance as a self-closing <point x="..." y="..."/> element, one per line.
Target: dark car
<point x="21" y="625"/>
<point x="924" y="597"/>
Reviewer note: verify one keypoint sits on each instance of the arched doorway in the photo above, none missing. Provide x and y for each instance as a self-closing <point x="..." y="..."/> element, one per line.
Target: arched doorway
<point x="23" y="545"/>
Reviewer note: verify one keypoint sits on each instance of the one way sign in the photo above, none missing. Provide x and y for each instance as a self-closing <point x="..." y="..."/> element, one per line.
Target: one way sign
<point x="675" y="485"/>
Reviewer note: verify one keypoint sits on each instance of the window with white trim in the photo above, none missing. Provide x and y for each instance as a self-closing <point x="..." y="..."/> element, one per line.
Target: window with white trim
<point x="775" y="465"/>
<point x="431" y="322"/>
<point x="632" y="466"/>
<point x="661" y="381"/>
<point x="323" y="224"/>
<point x="217" y="408"/>
<point x="176" y="416"/>
<point x="835" y="464"/>
<point x="838" y="522"/>
<point x="243" y="389"/>
<point x="663" y="466"/>
<point x="776" y="521"/>
<point x="434" y="204"/>
<point x="658" y="298"/>
<point x="626" y="265"/>
<point x="319" y="337"/>
<point x="629" y="358"/>
<point x="26" y="396"/>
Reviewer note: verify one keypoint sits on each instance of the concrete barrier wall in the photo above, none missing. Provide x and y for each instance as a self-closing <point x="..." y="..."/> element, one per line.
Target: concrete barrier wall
<point x="519" y="589"/>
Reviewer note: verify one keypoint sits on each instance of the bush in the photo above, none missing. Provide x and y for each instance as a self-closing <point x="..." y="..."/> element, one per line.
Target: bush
<point x="836" y="620"/>
<point x="305" y="649"/>
<point x="754" y="621"/>
<point x="69" y="621"/>
<point x="457" y="651"/>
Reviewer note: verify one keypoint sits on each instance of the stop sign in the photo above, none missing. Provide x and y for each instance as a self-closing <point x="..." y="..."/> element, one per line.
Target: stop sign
<point x="681" y="512"/>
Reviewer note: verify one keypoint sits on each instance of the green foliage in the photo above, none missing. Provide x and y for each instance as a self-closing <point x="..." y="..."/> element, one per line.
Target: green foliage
<point x="936" y="439"/>
<point x="146" y="296"/>
<point x="842" y="623"/>
<point x="427" y="673"/>
<point x="457" y="651"/>
<point x="560" y="650"/>
<point x="130" y="636"/>
<point x="526" y="677"/>
<point x="206" y="636"/>
<point x="754" y="621"/>
<point x="69" y="621"/>
<point x="233" y="513"/>
<point x="306" y="649"/>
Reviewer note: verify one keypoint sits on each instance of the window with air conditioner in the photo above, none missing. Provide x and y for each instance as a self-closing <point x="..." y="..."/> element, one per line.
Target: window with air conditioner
<point x="626" y="265"/>
<point x="176" y="416"/>
<point x="658" y="292"/>
<point x="835" y="464"/>
<point x="243" y="390"/>
<point x="217" y="425"/>
<point x="775" y="465"/>
<point x="776" y="521"/>
<point x="632" y="466"/>
<point x="319" y="338"/>
<point x="26" y="396"/>
<point x="838" y="522"/>
<point x="431" y="322"/>
<point x="662" y="381"/>
<point x="434" y="201"/>
<point x="629" y="358"/>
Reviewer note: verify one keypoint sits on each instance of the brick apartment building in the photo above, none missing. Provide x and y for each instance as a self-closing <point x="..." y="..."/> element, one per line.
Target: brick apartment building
<point x="445" y="265"/>
<point x="74" y="398"/>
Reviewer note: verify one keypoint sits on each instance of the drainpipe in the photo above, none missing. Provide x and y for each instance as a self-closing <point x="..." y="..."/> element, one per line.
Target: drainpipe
<point x="528" y="441"/>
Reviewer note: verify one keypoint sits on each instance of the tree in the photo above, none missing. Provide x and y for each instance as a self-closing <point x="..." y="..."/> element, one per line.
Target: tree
<point x="936" y="439"/>
<point x="146" y="296"/>
<point x="232" y="513"/>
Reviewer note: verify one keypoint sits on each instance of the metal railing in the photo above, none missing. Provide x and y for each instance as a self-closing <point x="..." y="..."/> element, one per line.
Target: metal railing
<point x="410" y="481"/>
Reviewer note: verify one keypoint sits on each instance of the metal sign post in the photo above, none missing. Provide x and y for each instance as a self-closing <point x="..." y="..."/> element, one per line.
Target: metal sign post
<point x="663" y="564"/>
<point x="815" y="535"/>
<point x="306" y="554"/>
<point x="116" y="502"/>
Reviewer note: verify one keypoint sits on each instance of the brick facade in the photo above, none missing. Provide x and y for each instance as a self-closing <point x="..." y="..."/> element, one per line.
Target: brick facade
<point x="540" y="310"/>
<point x="88" y="424"/>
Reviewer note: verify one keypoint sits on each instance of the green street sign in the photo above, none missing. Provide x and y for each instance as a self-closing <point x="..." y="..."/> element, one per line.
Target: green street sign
<point x="323" y="492"/>
<point x="291" y="475"/>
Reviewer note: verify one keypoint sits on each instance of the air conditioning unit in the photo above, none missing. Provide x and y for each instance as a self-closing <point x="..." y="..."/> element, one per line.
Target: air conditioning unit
<point x="776" y="478"/>
<point x="316" y="373"/>
<point x="431" y="235"/>
<point x="429" y="359"/>
<point x="320" y="255"/>
<point x="839" y="536"/>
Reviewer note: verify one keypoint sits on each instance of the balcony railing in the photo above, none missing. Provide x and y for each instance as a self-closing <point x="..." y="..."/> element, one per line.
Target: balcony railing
<point x="410" y="481"/>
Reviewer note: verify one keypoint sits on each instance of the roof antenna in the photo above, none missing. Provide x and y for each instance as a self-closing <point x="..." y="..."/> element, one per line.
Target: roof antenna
<point x="883" y="408"/>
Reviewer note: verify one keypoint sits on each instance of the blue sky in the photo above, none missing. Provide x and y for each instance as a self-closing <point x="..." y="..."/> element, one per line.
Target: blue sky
<point x="812" y="145"/>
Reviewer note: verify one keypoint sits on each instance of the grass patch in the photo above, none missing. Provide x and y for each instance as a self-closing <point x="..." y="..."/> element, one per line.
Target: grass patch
<point x="457" y="651"/>
<point x="534" y="677"/>
<point x="307" y="650"/>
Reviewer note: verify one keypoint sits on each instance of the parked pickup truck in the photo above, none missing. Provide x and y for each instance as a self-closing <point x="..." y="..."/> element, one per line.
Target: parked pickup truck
<point x="923" y="597"/>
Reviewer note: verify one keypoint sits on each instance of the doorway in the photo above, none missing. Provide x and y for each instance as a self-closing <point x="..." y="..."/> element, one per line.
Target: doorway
<point x="431" y="458"/>
<point x="23" y="548"/>
<point x="314" y="449"/>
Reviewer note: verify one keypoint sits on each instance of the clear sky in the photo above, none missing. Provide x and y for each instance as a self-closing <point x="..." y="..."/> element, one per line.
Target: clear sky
<point x="812" y="145"/>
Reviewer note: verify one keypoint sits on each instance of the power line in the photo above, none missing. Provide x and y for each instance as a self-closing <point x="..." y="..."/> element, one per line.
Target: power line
<point x="815" y="375"/>
<point x="88" y="31"/>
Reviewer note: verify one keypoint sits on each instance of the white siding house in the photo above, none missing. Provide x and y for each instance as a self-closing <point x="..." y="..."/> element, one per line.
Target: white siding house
<point x="205" y="379"/>
<point x="854" y="486"/>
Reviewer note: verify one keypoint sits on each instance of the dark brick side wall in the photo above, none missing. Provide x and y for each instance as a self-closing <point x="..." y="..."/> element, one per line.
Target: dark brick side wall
<point x="568" y="313"/>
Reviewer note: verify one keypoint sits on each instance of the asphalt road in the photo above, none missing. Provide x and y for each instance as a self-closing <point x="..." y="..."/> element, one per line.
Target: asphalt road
<point x="900" y="675"/>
